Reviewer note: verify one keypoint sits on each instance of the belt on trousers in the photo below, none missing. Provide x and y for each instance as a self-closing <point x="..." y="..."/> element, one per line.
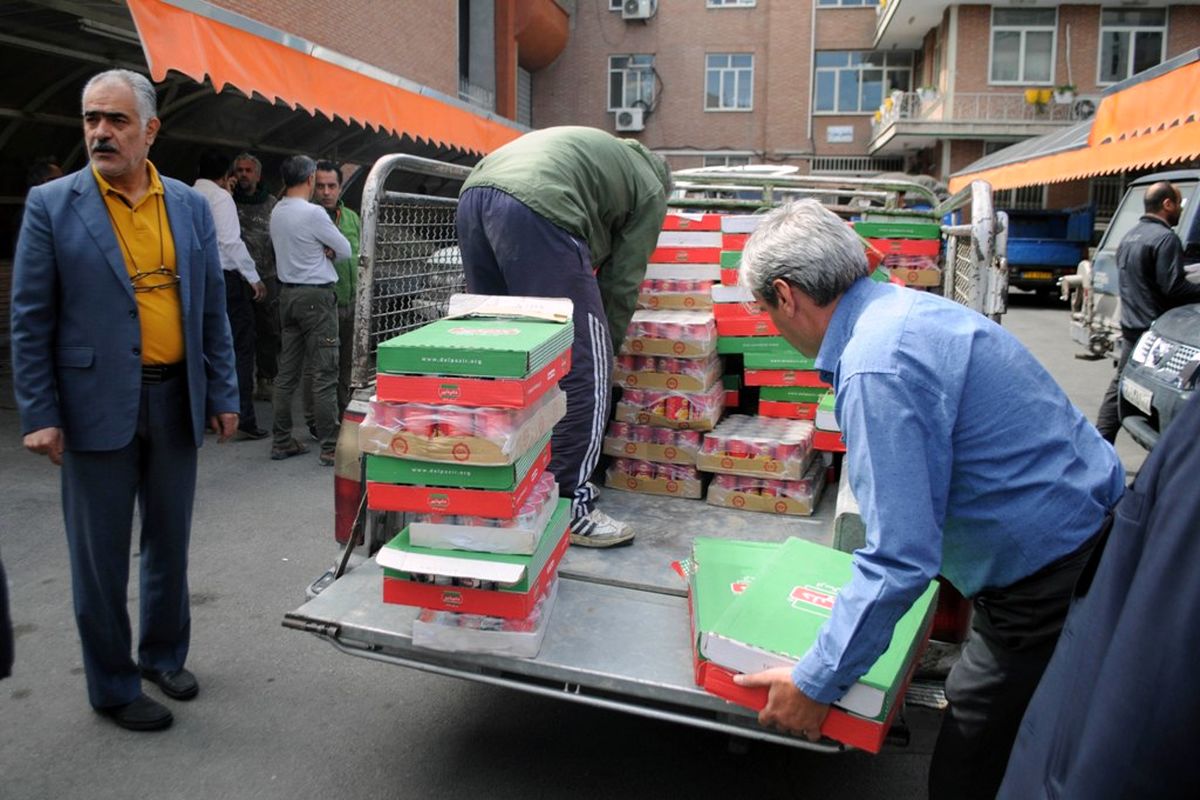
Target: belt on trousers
<point x="307" y="285"/>
<point x="160" y="373"/>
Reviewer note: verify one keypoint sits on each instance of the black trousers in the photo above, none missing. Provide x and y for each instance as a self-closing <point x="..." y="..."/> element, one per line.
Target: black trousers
<point x="1108" y="420"/>
<point x="1013" y="634"/>
<point x="240" y="308"/>
<point x="508" y="249"/>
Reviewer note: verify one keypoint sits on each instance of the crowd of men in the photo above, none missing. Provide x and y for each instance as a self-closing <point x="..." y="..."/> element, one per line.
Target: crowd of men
<point x="143" y="308"/>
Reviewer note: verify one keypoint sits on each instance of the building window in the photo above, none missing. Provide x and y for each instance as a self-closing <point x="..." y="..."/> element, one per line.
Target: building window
<point x="1131" y="41"/>
<point x="854" y="82"/>
<point x="616" y="5"/>
<point x="730" y="3"/>
<point x="1023" y="45"/>
<point x="1026" y="198"/>
<point x="630" y="81"/>
<point x="729" y="82"/>
<point x="1104" y="193"/>
<point x="847" y="2"/>
<point x="726" y="161"/>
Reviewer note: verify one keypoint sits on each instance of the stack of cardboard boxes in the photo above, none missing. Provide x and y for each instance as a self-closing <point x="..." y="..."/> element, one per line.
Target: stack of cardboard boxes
<point x="458" y="437"/>
<point x="759" y="605"/>
<point x="668" y="368"/>
<point x="909" y="247"/>
<point x="763" y="464"/>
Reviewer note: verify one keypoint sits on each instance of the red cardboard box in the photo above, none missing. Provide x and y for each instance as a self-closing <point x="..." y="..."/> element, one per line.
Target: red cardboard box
<point x="729" y="277"/>
<point x="842" y="726"/>
<point x="734" y="241"/>
<point x="444" y="500"/>
<point x="686" y="255"/>
<point x="747" y="326"/>
<point x="511" y="605"/>
<point x="829" y="441"/>
<point x="787" y="410"/>
<point x="907" y="247"/>
<point x="784" y="377"/>
<point x="472" y="392"/>
<point x="732" y="398"/>
<point x="692" y="222"/>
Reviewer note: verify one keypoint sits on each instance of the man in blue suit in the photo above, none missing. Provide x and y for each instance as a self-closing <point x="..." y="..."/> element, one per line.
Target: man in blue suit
<point x="121" y="350"/>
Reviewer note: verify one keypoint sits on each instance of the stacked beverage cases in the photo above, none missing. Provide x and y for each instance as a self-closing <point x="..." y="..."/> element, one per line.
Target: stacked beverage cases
<point x="909" y="247"/>
<point x="458" y="439"/>
<point x="763" y="464"/>
<point x="668" y="367"/>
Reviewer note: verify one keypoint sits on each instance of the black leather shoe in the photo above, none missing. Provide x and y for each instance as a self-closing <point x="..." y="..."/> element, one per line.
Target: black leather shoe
<point x="178" y="685"/>
<point x="143" y="714"/>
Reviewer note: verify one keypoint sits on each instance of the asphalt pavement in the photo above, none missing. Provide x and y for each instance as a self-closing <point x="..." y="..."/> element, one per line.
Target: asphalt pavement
<point x="283" y="715"/>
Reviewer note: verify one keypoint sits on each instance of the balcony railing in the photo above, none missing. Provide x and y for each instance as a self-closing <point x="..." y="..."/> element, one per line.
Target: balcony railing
<point x="972" y="107"/>
<point x="476" y="95"/>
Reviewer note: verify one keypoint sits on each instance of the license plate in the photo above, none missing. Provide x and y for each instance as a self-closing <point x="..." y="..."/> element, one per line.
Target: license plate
<point x="1137" y="394"/>
<point x="1037" y="276"/>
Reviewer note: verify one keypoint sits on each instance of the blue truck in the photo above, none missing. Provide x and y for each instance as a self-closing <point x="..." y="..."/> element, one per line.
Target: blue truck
<point x="1045" y="245"/>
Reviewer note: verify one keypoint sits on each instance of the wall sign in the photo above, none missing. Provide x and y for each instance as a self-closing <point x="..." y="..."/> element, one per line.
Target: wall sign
<point x="839" y="134"/>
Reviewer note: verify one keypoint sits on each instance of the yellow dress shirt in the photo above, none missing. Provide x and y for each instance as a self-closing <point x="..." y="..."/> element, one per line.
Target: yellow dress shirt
<point x="144" y="235"/>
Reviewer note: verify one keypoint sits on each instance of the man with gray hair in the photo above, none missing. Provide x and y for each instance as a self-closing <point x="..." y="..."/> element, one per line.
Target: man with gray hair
<point x="121" y="350"/>
<point x="306" y="245"/>
<point x="967" y="460"/>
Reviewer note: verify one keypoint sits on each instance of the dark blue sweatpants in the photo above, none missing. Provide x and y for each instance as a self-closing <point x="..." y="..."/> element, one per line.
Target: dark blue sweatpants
<point x="508" y="249"/>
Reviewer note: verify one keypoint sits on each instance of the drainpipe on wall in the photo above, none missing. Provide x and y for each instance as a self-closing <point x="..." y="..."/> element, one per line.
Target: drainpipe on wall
<point x="812" y="75"/>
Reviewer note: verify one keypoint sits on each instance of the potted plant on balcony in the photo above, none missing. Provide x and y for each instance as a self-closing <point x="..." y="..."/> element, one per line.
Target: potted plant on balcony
<point x="1038" y="98"/>
<point x="927" y="94"/>
<point x="1065" y="94"/>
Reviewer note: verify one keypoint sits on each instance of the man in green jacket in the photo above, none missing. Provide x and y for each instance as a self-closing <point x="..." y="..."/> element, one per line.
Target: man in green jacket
<point x="570" y="212"/>
<point x="327" y="194"/>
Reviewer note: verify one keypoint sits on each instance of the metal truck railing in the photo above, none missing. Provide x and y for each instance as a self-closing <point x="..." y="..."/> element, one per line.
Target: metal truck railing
<point x="410" y="263"/>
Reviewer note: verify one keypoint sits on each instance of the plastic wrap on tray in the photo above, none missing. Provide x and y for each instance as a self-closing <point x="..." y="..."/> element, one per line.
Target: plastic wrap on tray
<point x="519" y="535"/>
<point x="450" y="631"/>
<point x="663" y="445"/>
<point x="675" y="294"/>
<point x="667" y="372"/>
<point x="672" y="409"/>
<point x="684" y="334"/>
<point x="673" y="480"/>
<point x="799" y="498"/>
<point x="458" y="434"/>
<point x="758" y="446"/>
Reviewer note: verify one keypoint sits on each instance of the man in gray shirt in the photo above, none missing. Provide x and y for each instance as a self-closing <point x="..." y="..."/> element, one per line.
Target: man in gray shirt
<point x="306" y="244"/>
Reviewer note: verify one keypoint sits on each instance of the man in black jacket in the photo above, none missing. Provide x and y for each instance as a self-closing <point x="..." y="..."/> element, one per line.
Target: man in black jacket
<point x="1152" y="281"/>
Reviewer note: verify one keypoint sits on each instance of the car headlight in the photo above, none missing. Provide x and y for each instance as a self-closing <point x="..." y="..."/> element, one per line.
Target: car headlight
<point x="1143" y="347"/>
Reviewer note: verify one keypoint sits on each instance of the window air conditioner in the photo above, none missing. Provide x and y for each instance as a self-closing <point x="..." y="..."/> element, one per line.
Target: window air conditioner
<point x="631" y="119"/>
<point x="638" y="9"/>
<point x="1084" y="108"/>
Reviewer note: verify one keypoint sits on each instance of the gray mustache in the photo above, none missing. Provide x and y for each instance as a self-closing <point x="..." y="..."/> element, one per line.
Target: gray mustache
<point x="103" y="147"/>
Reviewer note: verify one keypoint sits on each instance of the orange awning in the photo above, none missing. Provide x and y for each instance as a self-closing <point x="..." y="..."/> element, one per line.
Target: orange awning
<point x="1153" y="121"/>
<point x="176" y="39"/>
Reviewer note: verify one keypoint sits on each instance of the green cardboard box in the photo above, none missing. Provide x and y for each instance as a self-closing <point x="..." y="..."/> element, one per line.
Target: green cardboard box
<point x="723" y="570"/>
<point x="476" y="347"/>
<point x="776" y="619"/>
<point x="778" y="359"/>
<point x="410" y="472"/>
<point x="728" y="345"/>
<point x="898" y="229"/>
<point x="400" y="558"/>
<point x="793" y="394"/>
<point x="731" y="259"/>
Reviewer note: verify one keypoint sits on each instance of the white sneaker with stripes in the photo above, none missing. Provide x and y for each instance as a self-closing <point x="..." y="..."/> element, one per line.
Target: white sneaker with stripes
<point x="598" y="529"/>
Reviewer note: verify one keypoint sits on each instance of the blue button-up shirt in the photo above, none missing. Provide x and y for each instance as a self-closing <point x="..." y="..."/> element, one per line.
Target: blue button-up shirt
<point x="966" y="459"/>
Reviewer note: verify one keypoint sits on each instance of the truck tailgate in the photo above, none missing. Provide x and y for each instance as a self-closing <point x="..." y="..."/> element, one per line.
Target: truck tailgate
<point x="618" y="637"/>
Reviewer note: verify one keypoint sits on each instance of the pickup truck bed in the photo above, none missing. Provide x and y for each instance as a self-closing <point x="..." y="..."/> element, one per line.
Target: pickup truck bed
<point x="618" y="636"/>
